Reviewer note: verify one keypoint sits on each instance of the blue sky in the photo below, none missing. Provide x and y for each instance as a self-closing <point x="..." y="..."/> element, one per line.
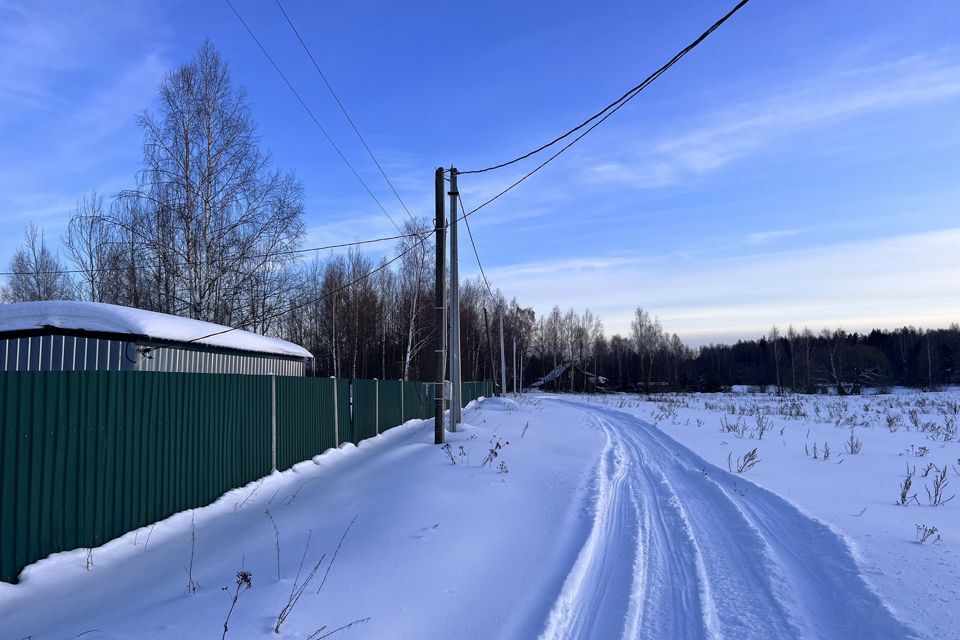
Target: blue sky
<point x="799" y="167"/>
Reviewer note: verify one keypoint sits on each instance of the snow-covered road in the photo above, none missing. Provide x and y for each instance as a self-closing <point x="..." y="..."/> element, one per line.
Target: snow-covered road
<point x="680" y="549"/>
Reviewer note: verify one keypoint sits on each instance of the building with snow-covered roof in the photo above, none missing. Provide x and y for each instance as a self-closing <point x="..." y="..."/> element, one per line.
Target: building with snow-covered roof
<point x="91" y="336"/>
<point x="568" y="376"/>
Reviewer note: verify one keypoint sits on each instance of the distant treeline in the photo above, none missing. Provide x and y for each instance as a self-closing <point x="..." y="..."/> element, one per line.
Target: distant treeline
<point x="649" y="359"/>
<point x="800" y="361"/>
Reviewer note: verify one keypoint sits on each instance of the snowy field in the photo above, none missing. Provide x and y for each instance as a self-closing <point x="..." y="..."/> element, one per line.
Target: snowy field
<point x="602" y="517"/>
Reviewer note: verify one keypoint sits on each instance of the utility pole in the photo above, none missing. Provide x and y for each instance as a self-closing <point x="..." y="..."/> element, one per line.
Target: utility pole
<point x="440" y="314"/>
<point x="503" y="360"/>
<point x="514" y="365"/>
<point x="493" y="364"/>
<point x="455" y="404"/>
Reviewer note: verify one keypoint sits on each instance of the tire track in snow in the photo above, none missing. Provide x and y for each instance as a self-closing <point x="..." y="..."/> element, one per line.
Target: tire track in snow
<point x="676" y="552"/>
<point x="673" y="600"/>
<point x="595" y="584"/>
<point x="607" y="594"/>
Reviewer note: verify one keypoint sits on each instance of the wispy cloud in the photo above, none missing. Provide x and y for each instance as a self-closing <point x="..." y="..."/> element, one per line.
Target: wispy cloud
<point x="67" y="101"/>
<point x="742" y="129"/>
<point x="348" y="227"/>
<point x="42" y="41"/>
<point x="761" y="237"/>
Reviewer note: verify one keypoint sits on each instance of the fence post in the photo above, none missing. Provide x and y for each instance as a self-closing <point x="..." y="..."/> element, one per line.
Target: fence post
<point x="273" y="421"/>
<point x="376" y="395"/>
<point x="336" y="414"/>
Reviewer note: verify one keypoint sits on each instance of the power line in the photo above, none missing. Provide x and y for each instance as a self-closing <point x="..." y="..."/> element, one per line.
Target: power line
<point x="619" y="102"/>
<point x="475" y="252"/>
<point x="609" y="113"/>
<point x="252" y="257"/>
<point x="343" y="109"/>
<point x="310" y="113"/>
<point x="326" y="295"/>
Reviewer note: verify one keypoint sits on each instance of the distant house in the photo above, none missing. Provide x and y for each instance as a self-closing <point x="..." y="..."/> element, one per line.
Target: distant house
<point x="568" y="376"/>
<point x="90" y="336"/>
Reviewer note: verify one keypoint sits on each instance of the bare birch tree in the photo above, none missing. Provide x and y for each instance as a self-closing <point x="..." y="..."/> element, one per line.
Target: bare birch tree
<point x="647" y="337"/>
<point x="37" y="273"/>
<point x="95" y="248"/>
<point x="774" y="339"/>
<point x="414" y="276"/>
<point x="214" y="225"/>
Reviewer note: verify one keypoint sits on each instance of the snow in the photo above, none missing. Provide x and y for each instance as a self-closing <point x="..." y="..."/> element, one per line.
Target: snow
<point x="712" y="559"/>
<point x="599" y="525"/>
<point x="110" y="318"/>
<point x="853" y="495"/>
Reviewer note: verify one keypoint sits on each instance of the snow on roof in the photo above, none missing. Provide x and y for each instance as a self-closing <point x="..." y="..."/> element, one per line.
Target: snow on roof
<point x="553" y="375"/>
<point x="560" y="369"/>
<point x="111" y="318"/>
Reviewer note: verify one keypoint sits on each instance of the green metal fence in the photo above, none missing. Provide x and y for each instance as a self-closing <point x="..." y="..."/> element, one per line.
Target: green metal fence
<point x="306" y="422"/>
<point x="389" y="404"/>
<point x="365" y="422"/>
<point x="86" y="456"/>
<point x="417" y="400"/>
<point x="472" y="390"/>
<point x="345" y="426"/>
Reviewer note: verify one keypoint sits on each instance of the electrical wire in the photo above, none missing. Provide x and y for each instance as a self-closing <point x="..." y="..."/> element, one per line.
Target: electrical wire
<point x="307" y="303"/>
<point x="485" y="282"/>
<point x="253" y="257"/>
<point x="475" y="252"/>
<point x="619" y="102"/>
<point x="310" y="113"/>
<point x="343" y="109"/>
<point x="609" y="112"/>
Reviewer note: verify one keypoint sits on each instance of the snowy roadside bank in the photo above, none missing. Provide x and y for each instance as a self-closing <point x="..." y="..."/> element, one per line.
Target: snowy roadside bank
<point x="437" y="549"/>
<point x="854" y="494"/>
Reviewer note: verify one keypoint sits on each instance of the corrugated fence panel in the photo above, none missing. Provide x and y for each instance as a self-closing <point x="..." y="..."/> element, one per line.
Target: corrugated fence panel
<point x="364" y="409"/>
<point x="426" y="392"/>
<point x="414" y="401"/>
<point x="304" y="419"/>
<point x="87" y="456"/>
<point x="468" y="392"/>
<point x="344" y="423"/>
<point x="390" y="397"/>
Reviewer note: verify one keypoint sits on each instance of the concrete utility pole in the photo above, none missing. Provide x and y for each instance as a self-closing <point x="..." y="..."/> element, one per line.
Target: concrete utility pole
<point x="514" y="365"/>
<point x="455" y="404"/>
<point x="503" y="360"/>
<point x="493" y="363"/>
<point x="440" y="315"/>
